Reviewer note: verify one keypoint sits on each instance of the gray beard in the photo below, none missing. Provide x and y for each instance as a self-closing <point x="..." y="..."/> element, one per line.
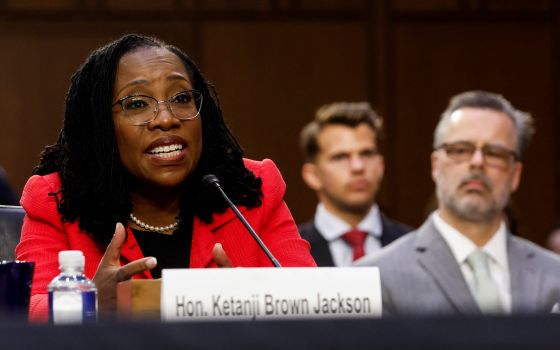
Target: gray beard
<point x="473" y="212"/>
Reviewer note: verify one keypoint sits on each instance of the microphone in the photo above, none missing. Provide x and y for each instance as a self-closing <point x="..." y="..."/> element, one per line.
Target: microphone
<point x="212" y="180"/>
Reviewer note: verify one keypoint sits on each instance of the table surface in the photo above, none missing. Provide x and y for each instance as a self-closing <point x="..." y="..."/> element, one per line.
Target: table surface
<point x="516" y="332"/>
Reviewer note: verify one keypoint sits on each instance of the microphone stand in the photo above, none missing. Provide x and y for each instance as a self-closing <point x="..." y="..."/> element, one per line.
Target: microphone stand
<point x="213" y="180"/>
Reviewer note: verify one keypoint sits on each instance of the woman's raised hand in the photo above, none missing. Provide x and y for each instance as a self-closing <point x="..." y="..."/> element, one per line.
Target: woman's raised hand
<point x="110" y="272"/>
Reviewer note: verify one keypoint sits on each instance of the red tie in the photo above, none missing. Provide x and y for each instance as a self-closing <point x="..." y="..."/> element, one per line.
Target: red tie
<point x="356" y="239"/>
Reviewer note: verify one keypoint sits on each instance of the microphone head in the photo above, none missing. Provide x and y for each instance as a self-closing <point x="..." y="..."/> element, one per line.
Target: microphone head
<point x="210" y="179"/>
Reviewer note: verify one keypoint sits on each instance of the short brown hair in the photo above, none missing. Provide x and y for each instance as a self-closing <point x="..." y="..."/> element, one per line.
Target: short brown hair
<point x="350" y="114"/>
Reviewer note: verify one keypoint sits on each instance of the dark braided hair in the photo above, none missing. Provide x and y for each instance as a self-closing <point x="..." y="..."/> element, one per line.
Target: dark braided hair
<point x="95" y="186"/>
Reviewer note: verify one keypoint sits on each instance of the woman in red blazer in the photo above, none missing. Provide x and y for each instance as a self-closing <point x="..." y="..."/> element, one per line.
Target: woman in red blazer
<point x="123" y="182"/>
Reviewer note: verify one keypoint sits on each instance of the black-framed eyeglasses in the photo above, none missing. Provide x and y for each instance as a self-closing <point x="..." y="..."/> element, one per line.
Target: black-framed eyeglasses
<point x="141" y="109"/>
<point x="494" y="155"/>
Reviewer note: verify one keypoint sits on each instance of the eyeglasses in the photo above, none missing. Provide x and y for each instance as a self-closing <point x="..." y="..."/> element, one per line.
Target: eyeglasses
<point x="494" y="155"/>
<point x="141" y="110"/>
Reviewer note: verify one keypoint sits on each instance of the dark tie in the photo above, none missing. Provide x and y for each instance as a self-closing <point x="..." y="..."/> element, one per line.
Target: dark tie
<point x="356" y="239"/>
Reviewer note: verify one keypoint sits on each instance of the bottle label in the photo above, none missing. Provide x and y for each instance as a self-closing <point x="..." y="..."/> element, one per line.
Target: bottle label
<point x="73" y="306"/>
<point x="89" y="306"/>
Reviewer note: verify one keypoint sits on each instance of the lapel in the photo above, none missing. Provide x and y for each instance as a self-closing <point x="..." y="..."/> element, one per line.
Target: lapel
<point x="525" y="278"/>
<point x="385" y="238"/>
<point x="131" y="251"/>
<point x="437" y="259"/>
<point x="319" y="247"/>
<point x="388" y="234"/>
<point x="204" y="237"/>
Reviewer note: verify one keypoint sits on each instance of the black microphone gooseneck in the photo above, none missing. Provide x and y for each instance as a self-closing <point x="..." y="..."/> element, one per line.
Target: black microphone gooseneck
<point x="213" y="180"/>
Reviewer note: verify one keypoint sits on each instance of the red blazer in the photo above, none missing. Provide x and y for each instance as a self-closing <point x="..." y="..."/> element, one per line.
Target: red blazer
<point x="44" y="234"/>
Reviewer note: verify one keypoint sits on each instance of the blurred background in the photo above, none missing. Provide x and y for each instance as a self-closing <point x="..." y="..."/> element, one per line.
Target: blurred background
<point x="275" y="61"/>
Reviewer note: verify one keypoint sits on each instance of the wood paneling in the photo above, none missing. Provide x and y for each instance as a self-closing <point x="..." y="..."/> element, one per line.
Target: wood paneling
<point x="436" y="61"/>
<point x="40" y="4"/>
<point x="272" y="76"/>
<point x="274" y="62"/>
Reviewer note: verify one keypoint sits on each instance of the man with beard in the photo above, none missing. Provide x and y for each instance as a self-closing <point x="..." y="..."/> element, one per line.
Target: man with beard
<point x="463" y="260"/>
<point x="344" y="166"/>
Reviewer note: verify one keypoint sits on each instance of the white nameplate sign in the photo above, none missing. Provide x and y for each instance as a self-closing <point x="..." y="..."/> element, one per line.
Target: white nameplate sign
<point x="270" y="293"/>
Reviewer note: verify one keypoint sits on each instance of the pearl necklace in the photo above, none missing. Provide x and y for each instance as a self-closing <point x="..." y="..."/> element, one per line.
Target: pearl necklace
<point x="159" y="229"/>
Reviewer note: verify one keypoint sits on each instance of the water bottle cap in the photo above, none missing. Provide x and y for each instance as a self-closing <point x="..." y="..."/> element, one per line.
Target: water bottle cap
<point x="71" y="259"/>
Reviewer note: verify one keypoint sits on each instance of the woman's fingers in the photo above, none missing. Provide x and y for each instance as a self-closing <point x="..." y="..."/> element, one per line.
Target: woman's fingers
<point x="220" y="257"/>
<point x="113" y="252"/>
<point x="132" y="268"/>
<point x="110" y="272"/>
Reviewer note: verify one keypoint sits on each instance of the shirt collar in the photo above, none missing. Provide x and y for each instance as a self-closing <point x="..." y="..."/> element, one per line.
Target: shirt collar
<point x="462" y="247"/>
<point x="332" y="227"/>
<point x="496" y="247"/>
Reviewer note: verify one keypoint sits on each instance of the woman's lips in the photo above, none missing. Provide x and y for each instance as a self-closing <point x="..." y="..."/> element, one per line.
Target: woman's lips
<point x="168" y="158"/>
<point x="167" y="150"/>
<point x="160" y="144"/>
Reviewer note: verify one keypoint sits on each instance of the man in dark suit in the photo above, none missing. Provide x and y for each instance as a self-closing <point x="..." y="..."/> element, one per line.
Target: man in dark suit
<point x="344" y="166"/>
<point x="464" y="259"/>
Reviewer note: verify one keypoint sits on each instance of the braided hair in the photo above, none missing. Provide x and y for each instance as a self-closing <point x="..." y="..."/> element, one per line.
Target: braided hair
<point x="95" y="185"/>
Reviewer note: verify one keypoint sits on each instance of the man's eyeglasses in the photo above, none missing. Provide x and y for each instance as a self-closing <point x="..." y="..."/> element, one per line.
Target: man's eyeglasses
<point x="494" y="155"/>
<point x="141" y="110"/>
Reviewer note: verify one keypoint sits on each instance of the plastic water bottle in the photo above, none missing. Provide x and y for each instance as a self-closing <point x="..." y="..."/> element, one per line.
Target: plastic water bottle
<point x="72" y="296"/>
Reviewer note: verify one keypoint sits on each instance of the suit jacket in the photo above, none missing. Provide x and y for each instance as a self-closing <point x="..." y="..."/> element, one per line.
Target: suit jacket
<point x="44" y="234"/>
<point x="391" y="230"/>
<point x="420" y="276"/>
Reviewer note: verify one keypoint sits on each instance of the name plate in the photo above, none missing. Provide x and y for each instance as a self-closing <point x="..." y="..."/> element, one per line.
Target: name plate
<point x="270" y="293"/>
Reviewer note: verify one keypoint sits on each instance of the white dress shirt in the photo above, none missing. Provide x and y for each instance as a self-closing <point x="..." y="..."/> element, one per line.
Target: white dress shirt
<point x="496" y="248"/>
<point x="332" y="228"/>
